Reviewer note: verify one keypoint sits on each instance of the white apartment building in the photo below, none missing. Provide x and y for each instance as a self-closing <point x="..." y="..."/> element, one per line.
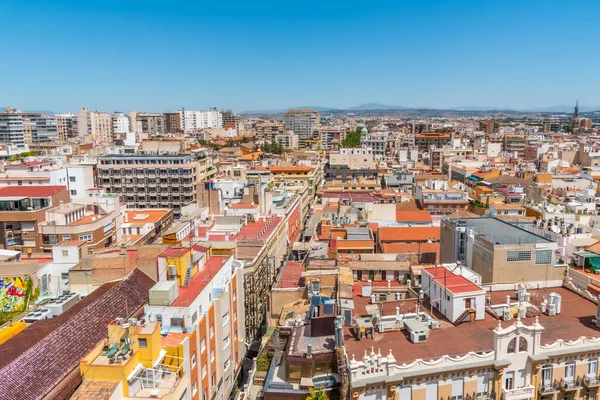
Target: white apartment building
<point x="192" y="120"/>
<point x="120" y="123"/>
<point x="77" y="178"/>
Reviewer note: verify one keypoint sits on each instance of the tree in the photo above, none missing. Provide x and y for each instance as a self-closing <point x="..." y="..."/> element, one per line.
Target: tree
<point x="352" y="139"/>
<point x="317" y="394"/>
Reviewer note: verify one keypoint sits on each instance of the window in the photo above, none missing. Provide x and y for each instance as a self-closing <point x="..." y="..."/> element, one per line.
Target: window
<point x="592" y="370"/>
<point x="522" y="344"/>
<point x="226" y="318"/>
<point x="194" y="387"/>
<point x="86" y="236"/>
<point x="203" y="345"/>
<point x="142" y="342"/>
<point x="512" y="345"/>
<point x="213" y="379"/>
<point x="64" y="275"/>
<point x="193" y="360"/>
<point x="203" y="371"/>
<point x="547" y="375"/>
<point x="72" y="179"/>
<point x="212" y="355"/>
<point x="518" y="255"/>
<point x="212" y="331"/>
<point x="569" y="372"/>
<point x="226" y="342"/>
<point x="65" y="253"/>
<point x="226" y="365"/>
<point x="543" y="257"/>
<point x="66" y="237"/>
<point x="73" y="192"/>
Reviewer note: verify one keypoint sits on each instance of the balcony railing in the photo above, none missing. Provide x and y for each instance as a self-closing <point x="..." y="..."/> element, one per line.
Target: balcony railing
<point x="591" y="381"/>
<point x="549" y="388"/>
<point x="522" y="393"/>
<point x="570" y="385"/>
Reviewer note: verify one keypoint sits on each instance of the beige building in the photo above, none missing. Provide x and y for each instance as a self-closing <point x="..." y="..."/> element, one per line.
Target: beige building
<point x="351" y="158"/>
<point x="268" y="130"/>
<point x="287" y="140"/>
<point x="302" y="122"/>
<point x="501" y="252"/>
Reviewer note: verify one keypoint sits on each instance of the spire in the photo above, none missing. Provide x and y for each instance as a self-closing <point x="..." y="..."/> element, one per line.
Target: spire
<point x="576" y="112"/>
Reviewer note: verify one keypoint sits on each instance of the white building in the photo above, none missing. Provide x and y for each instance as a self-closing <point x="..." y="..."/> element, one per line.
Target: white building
<point x="192" y="120"/>
<point x="453" y="295"/>
<point x="121" y="123"/>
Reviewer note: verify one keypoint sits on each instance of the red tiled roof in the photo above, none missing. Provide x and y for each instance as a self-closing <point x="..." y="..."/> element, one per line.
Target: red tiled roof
<point x="199" y="281"/>
<point x="413" y="216"/>
<point x="30" y="191"/>
<point x="408" y="234"/>
<point x="174" y="252"/>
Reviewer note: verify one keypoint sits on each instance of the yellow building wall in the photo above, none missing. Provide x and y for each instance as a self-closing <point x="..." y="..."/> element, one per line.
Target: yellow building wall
<point x="11" y="330"/>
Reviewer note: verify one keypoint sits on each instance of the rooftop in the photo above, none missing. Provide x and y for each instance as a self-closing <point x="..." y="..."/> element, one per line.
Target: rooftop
<point x="412" y="234"/>
<point x="30" y="191"/>
<point x="499" y="232"/>
<point x="199" y="281"/>
<point x="146" y="215"/>
<point x="456" y="284"/>
<point x="291" y="276"/>
<point x="575" y="320"/>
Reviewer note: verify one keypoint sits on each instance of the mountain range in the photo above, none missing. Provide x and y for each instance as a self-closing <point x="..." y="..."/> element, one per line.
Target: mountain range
<point x="377" y="106"/>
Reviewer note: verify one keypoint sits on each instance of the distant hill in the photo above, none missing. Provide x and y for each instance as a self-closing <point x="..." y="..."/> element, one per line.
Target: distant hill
<point x="376" y="106"/>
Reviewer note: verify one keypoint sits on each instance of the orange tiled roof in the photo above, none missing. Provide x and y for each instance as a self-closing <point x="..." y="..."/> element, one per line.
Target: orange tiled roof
<point x="404" y="234"/>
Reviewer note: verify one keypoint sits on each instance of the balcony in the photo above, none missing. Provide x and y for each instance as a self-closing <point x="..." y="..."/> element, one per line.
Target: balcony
<point x="591" y="382"/>
<point x="571" y="385"/>
<point x="522" y="393"/>
<point x="549" y="388"/>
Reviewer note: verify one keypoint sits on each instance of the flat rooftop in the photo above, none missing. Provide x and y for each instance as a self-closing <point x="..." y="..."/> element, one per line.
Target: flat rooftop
<point x="500" y="232"/>
<point x="199" y="281"/>
<point x="575" y="320"/>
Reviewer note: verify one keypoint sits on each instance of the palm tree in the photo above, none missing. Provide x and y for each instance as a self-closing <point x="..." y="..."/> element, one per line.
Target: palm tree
<point x="317" y="394"/>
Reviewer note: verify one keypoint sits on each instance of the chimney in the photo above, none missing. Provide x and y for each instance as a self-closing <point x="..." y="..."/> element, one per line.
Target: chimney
<point x="389" y="283"/>
<point x="397" y="311"/>
<point x="309" y="350"/>
<point x="123" y="250"/>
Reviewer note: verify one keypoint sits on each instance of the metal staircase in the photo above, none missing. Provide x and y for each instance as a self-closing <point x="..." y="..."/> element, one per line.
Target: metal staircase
<point x="464" y="315"/>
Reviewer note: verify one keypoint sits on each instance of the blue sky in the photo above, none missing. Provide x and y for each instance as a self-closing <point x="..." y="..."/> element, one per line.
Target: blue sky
<point x="161" y="55"/>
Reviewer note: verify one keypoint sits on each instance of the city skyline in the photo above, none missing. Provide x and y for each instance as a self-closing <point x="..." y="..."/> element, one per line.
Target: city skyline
<point x="437" y="54"/>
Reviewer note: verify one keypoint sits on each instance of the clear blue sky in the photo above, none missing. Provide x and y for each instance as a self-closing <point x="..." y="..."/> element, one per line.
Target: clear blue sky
<point x="161" y="55"/>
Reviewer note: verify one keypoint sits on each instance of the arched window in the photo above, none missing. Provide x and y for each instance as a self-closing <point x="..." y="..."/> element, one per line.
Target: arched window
<point x="522" y="344"/>
<point x="512" y="346"/>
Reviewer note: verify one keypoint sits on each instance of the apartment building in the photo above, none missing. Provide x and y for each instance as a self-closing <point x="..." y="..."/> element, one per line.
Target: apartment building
<point x="39" y="128"/>
<point x="194" y="120"/>
<point x="132" y="362"/>
<point x="268" y="130"/>
<point x="381" y="143"/>
<point x="439" y="155"/>
<point x="302" y="122"/>
<point x="288" y="140"/>
<point x="99" y="226"/>
<point x="173" y="122"/>
<point x="427" y="141"/>
<point x="489" y="126"/>
<point x="499" y="251"/>
<point x="21" y="211"/>
<point x="77" y="178"/>
<point x="151" y="124"/>
<point x="66" y="125"/>
<point x="200" y="299"/>
<point x="302" y="175"/>
<point x="330" y="136"/>
<point x="120" y="124"/>
<point x="11" y="128"/>
<point x="96" y="124"/>
<point x="515" y="144"/>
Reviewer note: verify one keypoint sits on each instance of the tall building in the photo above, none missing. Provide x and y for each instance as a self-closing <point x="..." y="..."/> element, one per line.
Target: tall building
<point x="267" y="131"/>
<point x="152" y="124"/>
<point x="430" y="140"/>
<point x="515" y="144"/>
<point x="11" y="128"/>
<point x="303" y="122"/>
<point x="98" y="124"/>
<point x="229" y="117"/>
<point x="551" y="126"/>
<point x="120" y="123"/>
<point x="173" y="123"/>
<point x="19" y="127"/>
<point x="159" y="176"/>
<point x="192" y="120"/>
<point x="67" y="126"/>
<point x="489" y="126"/>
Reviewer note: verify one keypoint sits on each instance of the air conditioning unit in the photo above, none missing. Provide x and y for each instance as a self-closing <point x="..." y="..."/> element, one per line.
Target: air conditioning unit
<point x="488" y="301"/>
<point x="418" y="336"/>
<point x="119" y="321"/>
<point x="551" y="309"/>
<point x="507" y="315"/>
